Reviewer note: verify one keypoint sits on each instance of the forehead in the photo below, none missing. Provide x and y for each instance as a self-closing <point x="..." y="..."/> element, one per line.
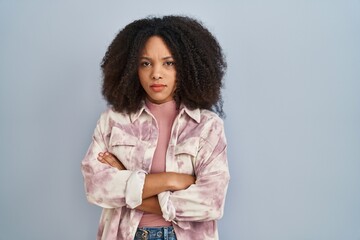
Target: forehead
<point x="155" y="45"/>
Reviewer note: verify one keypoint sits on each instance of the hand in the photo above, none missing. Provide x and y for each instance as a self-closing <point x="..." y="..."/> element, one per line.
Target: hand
<point x="110" y="159"/>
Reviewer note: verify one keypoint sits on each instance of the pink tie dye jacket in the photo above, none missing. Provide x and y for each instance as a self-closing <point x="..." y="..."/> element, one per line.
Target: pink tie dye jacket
<point x="197" y="146"/>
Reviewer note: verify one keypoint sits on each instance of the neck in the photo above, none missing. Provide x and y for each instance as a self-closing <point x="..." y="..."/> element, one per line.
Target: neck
<point x="163" y="111"/>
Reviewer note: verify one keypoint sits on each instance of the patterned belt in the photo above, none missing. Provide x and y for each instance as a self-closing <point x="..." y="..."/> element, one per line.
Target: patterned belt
<point x="155" y="233"/>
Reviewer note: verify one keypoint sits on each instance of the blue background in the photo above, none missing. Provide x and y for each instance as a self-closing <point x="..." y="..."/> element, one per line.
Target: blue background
<point x="291" y="97"/>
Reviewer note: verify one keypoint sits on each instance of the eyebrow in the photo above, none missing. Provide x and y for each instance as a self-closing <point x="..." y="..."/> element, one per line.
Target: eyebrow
<point x="164" y="58"/>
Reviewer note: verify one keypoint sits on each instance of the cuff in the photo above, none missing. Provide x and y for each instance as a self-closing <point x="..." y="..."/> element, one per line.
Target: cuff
<point x="134" y="189"/>
<point x="166" y="206"/>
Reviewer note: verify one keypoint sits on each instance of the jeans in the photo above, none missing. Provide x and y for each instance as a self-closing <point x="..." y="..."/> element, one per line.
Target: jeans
<point x="155" y="233"/>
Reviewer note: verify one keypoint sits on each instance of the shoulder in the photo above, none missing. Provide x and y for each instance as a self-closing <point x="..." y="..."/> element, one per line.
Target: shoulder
<point x="111" y="114"/>
<point x="209" y="118"/>
<point x="212" y="127"/>
<point x="110" y="118"/>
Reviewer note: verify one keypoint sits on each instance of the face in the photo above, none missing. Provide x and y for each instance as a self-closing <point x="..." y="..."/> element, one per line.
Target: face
<point x="157" y="71"/>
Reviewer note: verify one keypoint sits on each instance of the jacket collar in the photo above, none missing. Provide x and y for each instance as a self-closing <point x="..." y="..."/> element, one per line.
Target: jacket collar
<point x="192" y="113"/>
<point x="135" y="115"/>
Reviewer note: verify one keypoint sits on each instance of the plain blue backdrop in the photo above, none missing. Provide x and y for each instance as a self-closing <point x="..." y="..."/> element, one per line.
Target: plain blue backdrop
<point x="291" y="97"/>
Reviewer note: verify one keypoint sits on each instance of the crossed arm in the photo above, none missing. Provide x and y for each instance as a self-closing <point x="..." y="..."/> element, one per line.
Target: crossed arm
<point x="154" y="184"/>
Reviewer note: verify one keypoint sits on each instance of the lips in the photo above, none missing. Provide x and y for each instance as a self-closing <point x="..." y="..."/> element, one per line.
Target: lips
<point x="157" y="87"/>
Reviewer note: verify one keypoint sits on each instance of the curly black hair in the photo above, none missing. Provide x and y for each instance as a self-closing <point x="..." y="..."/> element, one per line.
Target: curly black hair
<point x="200" y="64"/>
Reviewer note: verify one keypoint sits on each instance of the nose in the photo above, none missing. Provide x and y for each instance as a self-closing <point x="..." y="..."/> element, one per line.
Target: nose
<point x="156" y="77"/>
<point x="156" y="73"/>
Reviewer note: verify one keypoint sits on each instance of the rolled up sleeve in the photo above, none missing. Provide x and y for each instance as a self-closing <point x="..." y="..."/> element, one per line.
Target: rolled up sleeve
<point x="134" y="189"/>
<point x="167" y="208"/>
<point x="107" y="186"/>
<point x="204" y="200"/>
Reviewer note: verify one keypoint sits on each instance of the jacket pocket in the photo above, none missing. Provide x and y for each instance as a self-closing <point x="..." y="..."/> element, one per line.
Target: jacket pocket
<point x="185" y="155"/>
<point x="123" y="146"/>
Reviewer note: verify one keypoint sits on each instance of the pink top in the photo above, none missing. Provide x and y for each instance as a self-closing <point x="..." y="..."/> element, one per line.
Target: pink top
<point x="164" y="114"/>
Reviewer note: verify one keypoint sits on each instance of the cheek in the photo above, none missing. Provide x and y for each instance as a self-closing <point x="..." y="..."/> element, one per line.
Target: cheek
<point x="141" y="78"/>
<point x="175" y="82"/>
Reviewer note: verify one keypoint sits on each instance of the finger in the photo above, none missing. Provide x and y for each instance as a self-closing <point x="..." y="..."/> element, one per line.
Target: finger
<point x="121" y="166"/>
<point x="101" y="159"/>
<point x="100" y="156"/>
<point x="115" y="160"/>
<point x="110" y="158"/>
<point x="112" y="161"/>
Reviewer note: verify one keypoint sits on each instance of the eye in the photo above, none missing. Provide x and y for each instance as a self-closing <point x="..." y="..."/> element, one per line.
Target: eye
<point x="169" y="63"/>
<point x="145" y="63"/>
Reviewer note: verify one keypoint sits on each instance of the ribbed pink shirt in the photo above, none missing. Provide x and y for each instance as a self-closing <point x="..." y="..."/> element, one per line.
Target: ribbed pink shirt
<point x="164" y="114"/>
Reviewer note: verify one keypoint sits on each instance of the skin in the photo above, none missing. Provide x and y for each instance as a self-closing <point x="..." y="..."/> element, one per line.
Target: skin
<point x="157" y="76"/>
<point x="157" y="71"/>
<point x="154" y="183"/>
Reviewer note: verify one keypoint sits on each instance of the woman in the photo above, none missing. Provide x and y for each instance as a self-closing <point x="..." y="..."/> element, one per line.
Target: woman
<point x="157" y="164"/>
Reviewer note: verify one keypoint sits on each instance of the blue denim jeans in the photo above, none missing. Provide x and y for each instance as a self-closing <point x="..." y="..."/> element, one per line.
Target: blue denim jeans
<point x="155" y="233"/>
